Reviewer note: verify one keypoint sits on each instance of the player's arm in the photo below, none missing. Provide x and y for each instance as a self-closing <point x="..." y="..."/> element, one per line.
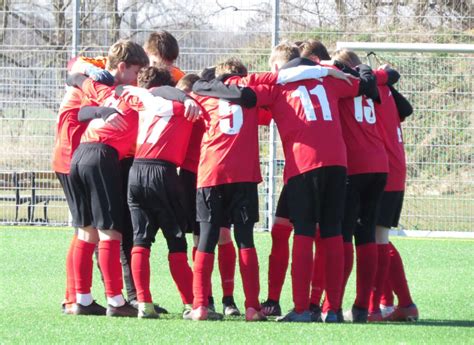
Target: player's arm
<point x="93" y="68"/>
<point x="95" y="91"/>
<point x="88" y="112"/>
<point x="242" y="96"/>
<point x="386" y="75"/>
<point x="404" y="107"/>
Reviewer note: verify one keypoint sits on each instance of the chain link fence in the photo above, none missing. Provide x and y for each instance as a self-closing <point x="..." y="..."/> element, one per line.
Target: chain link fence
<point x="38" y="37"/>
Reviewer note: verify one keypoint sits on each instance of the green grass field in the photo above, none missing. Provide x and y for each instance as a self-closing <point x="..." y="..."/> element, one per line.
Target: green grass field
<point x="32" y="280"/>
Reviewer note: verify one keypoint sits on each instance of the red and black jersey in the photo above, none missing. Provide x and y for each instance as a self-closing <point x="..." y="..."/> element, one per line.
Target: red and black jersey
<point x="388" y="124"/>
<point x="120" y="130"/>
<point x="163" y="131"/>
<point x="364" y="144"/>
<point x="191" y="161"/>
<point x="307" y="116"/>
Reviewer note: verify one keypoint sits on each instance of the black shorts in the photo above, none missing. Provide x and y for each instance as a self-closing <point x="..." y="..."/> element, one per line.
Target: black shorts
<point x="96" y="187"/>
<point x="363" y="195"/>
<point x="317" y="196"/>
<point x="65" y="181"/>
<point x="226" y="204"/>
<point x="282" y="210"/>
<point x="390" y="209"/>
<point x="188" y="181"/>
<point x="155" y="201"/>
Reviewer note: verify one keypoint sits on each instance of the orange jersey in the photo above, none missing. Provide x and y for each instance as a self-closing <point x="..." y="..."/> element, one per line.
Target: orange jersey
<point x="176" y="73"/>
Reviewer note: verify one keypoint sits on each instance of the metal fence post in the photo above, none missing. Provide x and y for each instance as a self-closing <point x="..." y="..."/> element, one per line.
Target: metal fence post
<point x="75" y="27"/>
<point x="272" y="136"/>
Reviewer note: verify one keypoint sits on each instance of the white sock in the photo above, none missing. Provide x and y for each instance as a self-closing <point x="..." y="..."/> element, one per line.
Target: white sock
<point x="116" y="301"/>
<point x="84" y="299"/>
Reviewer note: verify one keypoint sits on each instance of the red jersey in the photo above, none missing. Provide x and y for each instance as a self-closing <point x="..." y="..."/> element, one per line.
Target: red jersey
<point x="191" y="161"/>
<point x="364" y="144"/>
<point x="68" y="130"/>
<point x="120" y="130"/>
<point x="229" y="150"/>
<point x="163" y="131"/>
<point x="388" y="124"/>
<point x="307" y="116"/>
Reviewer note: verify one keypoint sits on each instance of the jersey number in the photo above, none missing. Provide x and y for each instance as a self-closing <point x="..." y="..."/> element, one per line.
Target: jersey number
<point x="302" y="93"/>
<point x="151" y="135"/>
<point x="230" y="117"/>
<point x="367" y="112"/>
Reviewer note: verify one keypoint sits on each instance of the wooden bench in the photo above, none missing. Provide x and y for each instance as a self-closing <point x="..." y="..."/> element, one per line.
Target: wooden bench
<point x="29" y="188"/>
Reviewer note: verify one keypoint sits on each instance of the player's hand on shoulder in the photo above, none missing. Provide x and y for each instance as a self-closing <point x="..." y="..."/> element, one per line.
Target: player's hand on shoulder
<point x="192" y="110"/>
<point x="341" y="75"/>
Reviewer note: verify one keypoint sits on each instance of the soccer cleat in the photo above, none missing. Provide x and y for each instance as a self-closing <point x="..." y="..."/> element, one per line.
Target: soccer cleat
<point x="187" y="308"/>
<point x="330" y="317"/>
<point x="293" y="316"/>
<point x="210" y="305"/>
<point x="125" y="310"/>
<point x="91" y="309"/>
<point x="316" y="311"/>
<point x="386" y="310"/>
<point x="68" y="308"/>
<point x="356" y="315"/>
<point x="252" y="314"/>
<point x="375" y="317"/>
<point x="409" y="313"/>
<point x="158" y="309"/>
<point x="147" y="311"/>
<point x="271" y="308"/>
<point x="230" y="309"/>
<point x="202" y="313"/>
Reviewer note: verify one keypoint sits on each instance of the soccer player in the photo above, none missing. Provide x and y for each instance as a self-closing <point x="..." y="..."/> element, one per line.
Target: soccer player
<point x="367" y="167"/>
<point x="155" y="194"/>
<point x="163" y="50"/>
<point x="392" y="110"/>
<point x="188" y="177"/>
<point x="96" y="189"/>
<point x="67" y="137"/>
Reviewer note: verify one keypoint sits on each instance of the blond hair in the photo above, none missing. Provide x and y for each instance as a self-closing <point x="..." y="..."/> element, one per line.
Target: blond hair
<point x="284" y="52"/>
<point x="347" y="57"/>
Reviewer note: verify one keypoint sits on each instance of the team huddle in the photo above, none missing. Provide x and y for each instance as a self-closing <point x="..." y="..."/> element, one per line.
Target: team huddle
<point x="141" y="146"/>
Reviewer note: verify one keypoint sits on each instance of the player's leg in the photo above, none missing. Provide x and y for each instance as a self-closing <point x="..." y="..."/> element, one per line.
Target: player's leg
<point x="279" y="256"/>
<point x="227" y="259"/>
<point x="332" y="184"/>
<point x="244" y="211"/>
<point x="210" y="214"/>
<point x="317" y="280"/>
<point x="302" y="208"/>
<point x="87" y="237"/>
<point x="372" y="186"/>
<point x="68" y="305"/>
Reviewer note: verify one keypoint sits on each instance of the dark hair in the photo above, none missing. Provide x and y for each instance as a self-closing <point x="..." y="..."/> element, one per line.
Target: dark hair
<point x="162" y="44"/>
<point x="232" y="65"/>
<point x="152" y="76"/>
<point x="347" y="57"/>
<point x="314" y="48"/>
<point x="187" y="81"/>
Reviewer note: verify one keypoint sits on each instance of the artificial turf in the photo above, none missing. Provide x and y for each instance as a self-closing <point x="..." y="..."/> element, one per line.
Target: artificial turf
<point x="32" y="280"/>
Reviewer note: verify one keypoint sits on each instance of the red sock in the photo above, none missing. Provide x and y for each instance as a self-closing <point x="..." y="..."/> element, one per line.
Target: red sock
<point x="194" y="253"/>
<point x="334" y="269"/>
<point x="249" y="270"/>
<point x="317" y="282"/>
<point x="398" y="279"/>
<point x="141" y="273"/>
<point x="301" y="271"/>
<point x="366" y="270"/>
<point x="82" y="261"/>
<point x="348" y="264"/>
<point x="203" y="266"/>
<point x="109" y="261"/>
<point x="182" y="275"/>
<point x="278" y="260"/>
<point x="387" y="295"/>
<point x="226" y="259"/>
<point x="383" y="264"/>
<point x="70" y="288"/>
